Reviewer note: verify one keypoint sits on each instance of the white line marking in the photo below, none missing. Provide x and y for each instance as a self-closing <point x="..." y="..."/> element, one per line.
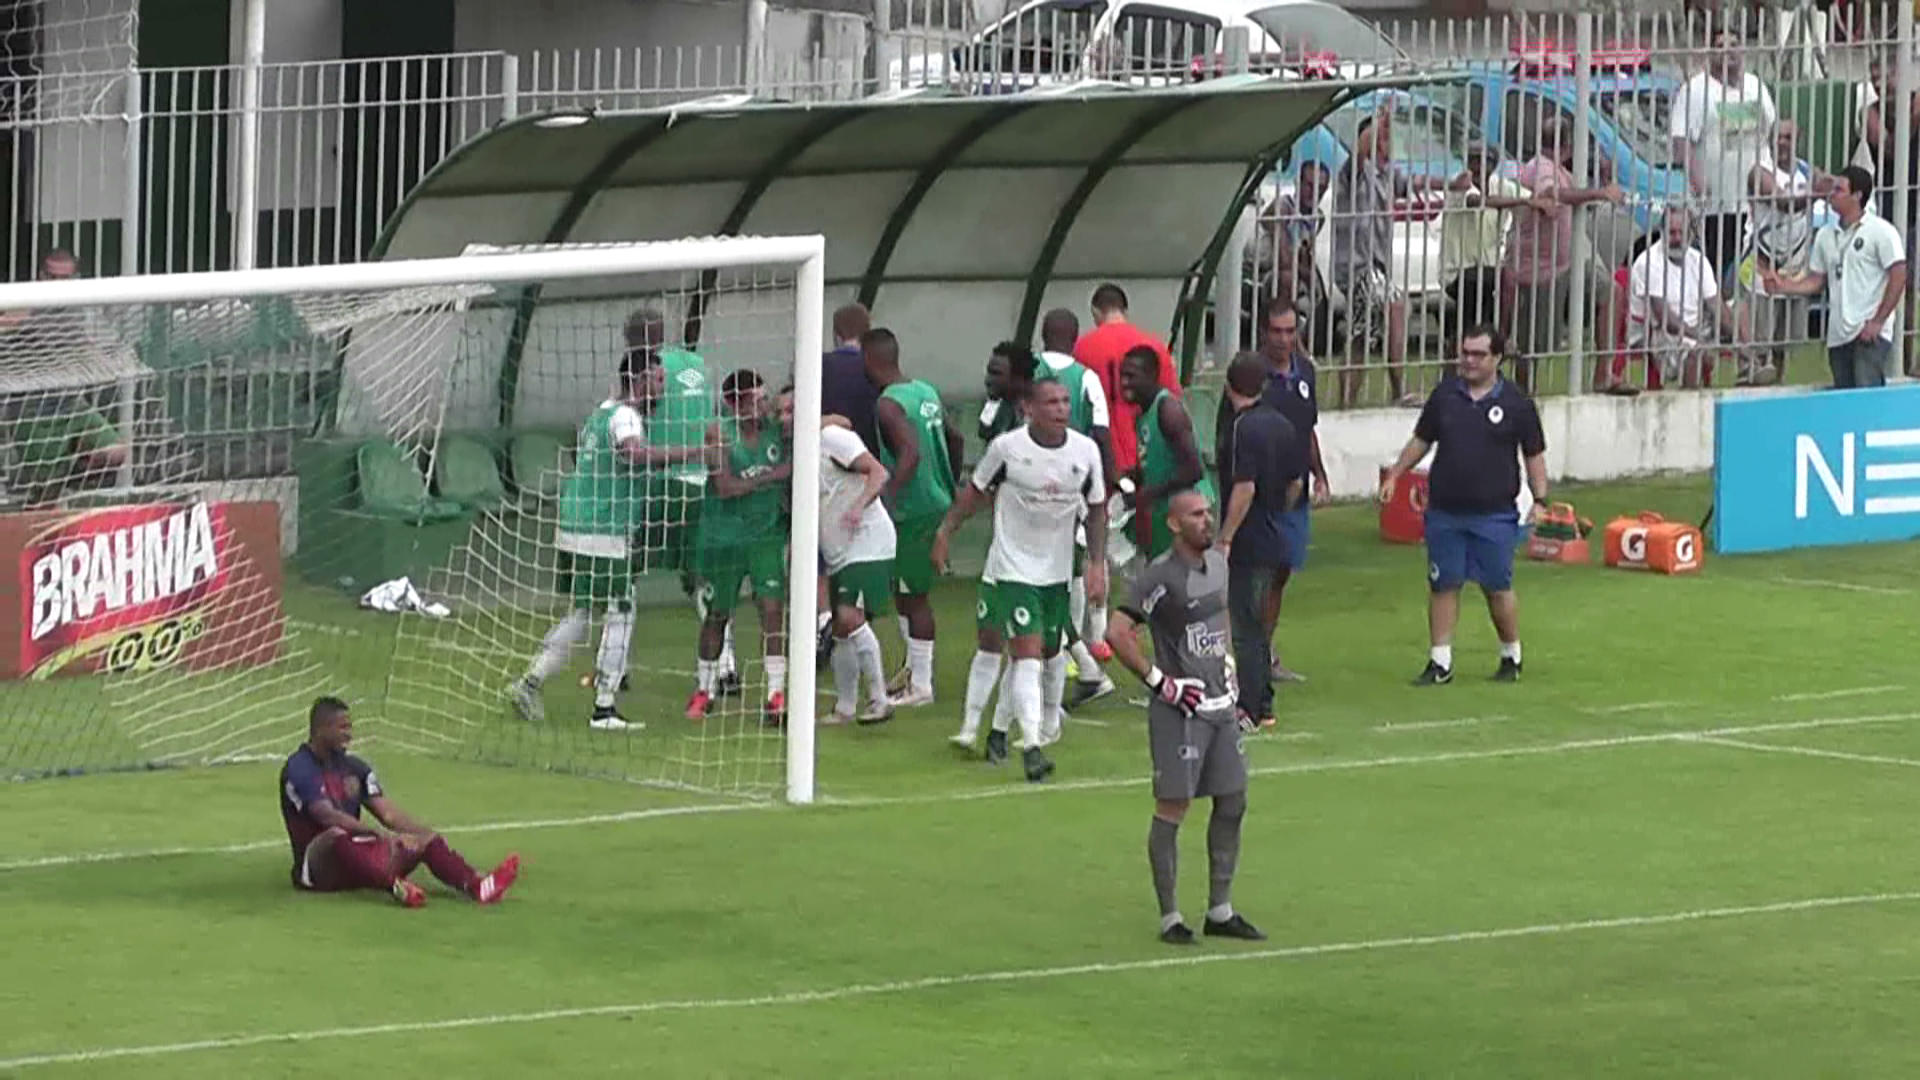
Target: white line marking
<point x="1811" y="751"/>
<point x="1632" y="706"/>
<point x="976" y="978"/>
<point x="1431" y="725"/>
<point x="1829" y="695"/>
<point x="1089" y="721"/>
<point x="1842" y="586"/>
<point x="1021" y="790"/>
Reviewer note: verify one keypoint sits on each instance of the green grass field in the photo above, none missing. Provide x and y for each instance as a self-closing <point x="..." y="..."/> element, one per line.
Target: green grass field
<point x="1682" y="847"/>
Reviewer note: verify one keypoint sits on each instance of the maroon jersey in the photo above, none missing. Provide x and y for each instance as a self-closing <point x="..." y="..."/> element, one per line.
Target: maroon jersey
<point x="343" y="780"/>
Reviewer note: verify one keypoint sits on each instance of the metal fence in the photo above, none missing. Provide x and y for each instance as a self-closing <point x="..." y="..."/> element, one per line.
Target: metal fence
<point x="155" y="177"/>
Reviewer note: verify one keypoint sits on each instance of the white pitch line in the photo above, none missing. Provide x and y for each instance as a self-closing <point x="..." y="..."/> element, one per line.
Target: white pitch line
<point x="1433" y="725"/>
<point x="825" y="995"/>
<point x="1632" y="706"/>
<point x="1088" y="721"/>
<point x="1830" y="695"/>
<point x="1842" y="586"/>
<point x="1024" y="790"/>
<point x="1810" y="751"/>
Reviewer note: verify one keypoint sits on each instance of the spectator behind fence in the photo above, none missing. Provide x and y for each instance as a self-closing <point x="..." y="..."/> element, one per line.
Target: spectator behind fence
<point x="56" y="440"/>
<point x="1782" y="239"/>
<point x="1473" y="239"/>
<point x="1720" y="125"/>
<point x="1284" y="250"/>
<point x="1539" y="259"/>
<point x="1364" y="192"/>
<point x="1674" y="307"/>
<point x="1861" y="264"/>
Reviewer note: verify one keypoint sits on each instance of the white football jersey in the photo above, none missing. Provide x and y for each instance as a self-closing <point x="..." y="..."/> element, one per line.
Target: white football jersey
<point x="1041" y="495"/>
<point x="840" y="488"/>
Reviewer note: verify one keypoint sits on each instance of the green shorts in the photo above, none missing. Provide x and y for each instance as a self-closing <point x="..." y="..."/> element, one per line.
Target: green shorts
<point x="1021" y="610"/>
<point x="722" y="569"/>
<point x="596" y="583"/>
<point x="913" y="555"/>
<point x="864" y="585"/>
<point x="669" y="520"/>
<point x="984" y="616"/>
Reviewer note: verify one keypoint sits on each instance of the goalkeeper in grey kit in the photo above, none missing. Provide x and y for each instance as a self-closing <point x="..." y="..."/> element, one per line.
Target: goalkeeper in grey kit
<point x="1181" y="597"/>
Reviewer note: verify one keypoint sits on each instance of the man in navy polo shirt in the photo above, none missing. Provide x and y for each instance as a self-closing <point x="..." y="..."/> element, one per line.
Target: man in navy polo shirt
<point x="844" y="391"/>
<point x="1262" y="459"/>
<point x="1482" y="426"/>
<point x="1293" y="389"/>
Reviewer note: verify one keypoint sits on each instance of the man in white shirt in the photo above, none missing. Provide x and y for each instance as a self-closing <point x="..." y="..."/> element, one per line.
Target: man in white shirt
<point x="1473" y="237"/>
<point x="1674" y="306"/>
<point x="1042" y="479"/>
<point x="1784" y="190"/>
<point x="857" y="545"/>
<point x="1722" y="120"/>
<point x="1861" y="263"/>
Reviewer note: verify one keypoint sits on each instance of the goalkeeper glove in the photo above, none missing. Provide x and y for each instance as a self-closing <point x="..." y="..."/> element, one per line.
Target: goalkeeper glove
<point x="1182" y="694"/>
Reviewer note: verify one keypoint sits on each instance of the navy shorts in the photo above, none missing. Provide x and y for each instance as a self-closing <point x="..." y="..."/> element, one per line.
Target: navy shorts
<point x="1471" y="547"/>
<point x="1296" y="528"/>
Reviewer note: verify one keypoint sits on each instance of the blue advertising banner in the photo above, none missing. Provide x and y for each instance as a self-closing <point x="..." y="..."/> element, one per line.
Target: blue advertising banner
<point x="1816" y="469"/>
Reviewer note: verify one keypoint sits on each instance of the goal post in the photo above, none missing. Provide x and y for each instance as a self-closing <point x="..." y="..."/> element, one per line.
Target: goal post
<point x="401" y="353"/>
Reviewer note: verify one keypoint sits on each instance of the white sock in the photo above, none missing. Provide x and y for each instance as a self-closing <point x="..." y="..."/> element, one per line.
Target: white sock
<point x="1442" y="655"/>
<point x="1028" y="703"/>
<point x="558" y="645"/>
<point x="905" y="633"/>
<point x="1220" y="912"/>
<point x="981" y="675"/>
<point x="1003" y="705"/>
<point x="776" y="674"/>
<point x="1077" y="604"/>
<point x="846" y="677"/>
<point x="615" y="635"/>
<point x="1096" y="622"/>
<point x="866" y="647"/>
<point x="705" y="672"/>
<point x="1168" y="920"/>
<point x="1083" y="658"/>
<point x="920" y="665"/>
<point x="725" y="665"/>
<point x="1510" y="650"/>
<point x="1053" y="691"/>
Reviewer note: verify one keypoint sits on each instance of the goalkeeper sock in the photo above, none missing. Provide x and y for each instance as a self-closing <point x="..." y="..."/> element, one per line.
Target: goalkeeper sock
<point x="866" y="648"/>
<point x="725" y="665"/>
<point x="981" y="675"/>
<point x="1163" y="856"/>
<point x="615" y="635"/>
<point x="776" y="674"/>
<point x="920" y="665"/>
<point x="365" y="861"/>
<point x="1510" y="650"/>
<point x="1053" y="691"/>
<point x="446" y="864"/>
<point x="1097" y="622"/>
<point x="1442" y="655"/>
<point x="846" y="677"/>
<point x="557" y="646"/>
<point x="704" y="674"/>
<point x="1223" y="852"/>
<point x="1003" y="706"/>
<point x="1027" y="699"/>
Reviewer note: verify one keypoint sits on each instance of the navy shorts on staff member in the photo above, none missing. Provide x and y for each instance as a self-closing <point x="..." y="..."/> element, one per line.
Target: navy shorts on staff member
<point x="1296" y="395"/>
<point x="1476" y="547"/>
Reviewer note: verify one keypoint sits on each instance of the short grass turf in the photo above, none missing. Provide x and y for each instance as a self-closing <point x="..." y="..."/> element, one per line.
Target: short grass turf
<point x="1681" y="847"/>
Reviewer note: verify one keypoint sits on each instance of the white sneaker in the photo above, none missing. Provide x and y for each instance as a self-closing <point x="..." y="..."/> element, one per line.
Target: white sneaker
<point x="900" y="681"/>
<point x="877" y="712"/>
<point x="834" y="718"/>
<point x="527" y="701"/>
<point x="1049" y="734"/>
<point x="964" y="740"/>
<point x="912" y="699"/>
<point x="614" y="723"/>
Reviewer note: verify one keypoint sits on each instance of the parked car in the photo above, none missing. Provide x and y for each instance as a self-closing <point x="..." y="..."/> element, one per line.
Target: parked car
<point x="1151" y="44"/>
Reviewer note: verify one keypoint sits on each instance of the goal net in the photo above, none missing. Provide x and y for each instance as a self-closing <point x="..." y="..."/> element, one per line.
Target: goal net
<point x="412" y="485"/>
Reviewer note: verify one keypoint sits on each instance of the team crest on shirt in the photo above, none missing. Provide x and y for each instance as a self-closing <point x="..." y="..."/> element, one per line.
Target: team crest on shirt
<point x="1496" y="414"/>
<point x="352" y="787"/>
<point x="691" y="379"/>
<point x="1306" y="392"/>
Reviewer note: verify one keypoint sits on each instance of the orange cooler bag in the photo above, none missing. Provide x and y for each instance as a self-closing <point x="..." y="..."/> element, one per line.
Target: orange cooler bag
<point x="1651" y="542"/>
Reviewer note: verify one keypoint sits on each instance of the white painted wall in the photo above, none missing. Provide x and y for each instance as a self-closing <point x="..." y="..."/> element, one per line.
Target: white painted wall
<point x="85" y="44"/>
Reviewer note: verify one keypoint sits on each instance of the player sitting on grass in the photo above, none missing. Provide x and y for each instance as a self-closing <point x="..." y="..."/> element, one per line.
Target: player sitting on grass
<point x="1196" y="741"/>
<point x="742" y="536"/>
<point x="1041" y="480"/>
<point x="1169" y="459"/>
<point x="322" y="788"/>
<point x="922" y="456"/>
<point x="601" y="507"/>
<point x="857" y="544"/>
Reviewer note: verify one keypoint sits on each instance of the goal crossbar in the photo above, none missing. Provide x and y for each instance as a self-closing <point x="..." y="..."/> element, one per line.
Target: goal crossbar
<point x="806" y="256"/>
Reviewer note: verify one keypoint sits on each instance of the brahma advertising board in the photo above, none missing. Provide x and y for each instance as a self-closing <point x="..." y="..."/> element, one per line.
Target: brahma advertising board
<point x="131" y="589"/>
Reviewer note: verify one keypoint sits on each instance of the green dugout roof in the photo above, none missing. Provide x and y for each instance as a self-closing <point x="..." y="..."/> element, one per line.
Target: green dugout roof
<point x="957" y="219"/>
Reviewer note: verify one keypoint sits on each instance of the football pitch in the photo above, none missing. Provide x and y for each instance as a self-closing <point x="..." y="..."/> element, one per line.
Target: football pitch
<point x="1683" y="846"/>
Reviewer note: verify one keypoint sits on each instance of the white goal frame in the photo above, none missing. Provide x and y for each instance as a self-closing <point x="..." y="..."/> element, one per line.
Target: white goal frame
<point x="806" y="255"/>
